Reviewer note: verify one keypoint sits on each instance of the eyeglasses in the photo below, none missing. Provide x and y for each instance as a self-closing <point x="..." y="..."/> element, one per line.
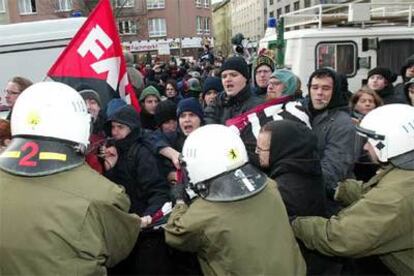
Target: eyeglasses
<point x="259" y="149"/>
<point x="274" y="83"/>
<point x="10" y="92"/>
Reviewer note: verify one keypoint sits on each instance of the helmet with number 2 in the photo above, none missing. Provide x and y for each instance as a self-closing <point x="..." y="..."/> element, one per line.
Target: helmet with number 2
<point x="52" y="109"/>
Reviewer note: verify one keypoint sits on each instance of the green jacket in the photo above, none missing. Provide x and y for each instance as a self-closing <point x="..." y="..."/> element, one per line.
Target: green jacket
<point x="246" y="237"/>
<point x="380" y="222"/>
<point x="70" y="223"/>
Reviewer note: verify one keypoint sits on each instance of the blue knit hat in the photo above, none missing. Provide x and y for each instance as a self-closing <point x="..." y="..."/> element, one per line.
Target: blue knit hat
<point x="288" y="79"/>
<point x="212" y="83"/>
<point x="190" y="104"/>
<point x="114" y="105"/>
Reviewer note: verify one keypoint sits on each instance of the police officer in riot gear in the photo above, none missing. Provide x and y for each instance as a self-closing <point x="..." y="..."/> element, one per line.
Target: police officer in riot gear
<point x="379" y="219"/>
<point x="238" y="224"/>
<point x="58" y="216"/>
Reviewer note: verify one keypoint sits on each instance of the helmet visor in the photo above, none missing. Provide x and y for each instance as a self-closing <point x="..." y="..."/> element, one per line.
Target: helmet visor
<point x="369" y="133"/>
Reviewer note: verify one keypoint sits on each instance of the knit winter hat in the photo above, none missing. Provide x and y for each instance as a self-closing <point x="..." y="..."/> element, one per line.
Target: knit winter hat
<point x="165" y="111"/>
<point x="150" y="90"/>
<point x="192" y="105"/>
<point x="238" y="64"/>
<point x="195" y="74"/>
<point x="385" y="72"/>
<point x="89" y="94"/>
<point x="264" y="60"/>
<point x="194" y="85"/>
<point x="212" y="83"/>
<point x="288" y="79"/>
<point x="114" y="105"/>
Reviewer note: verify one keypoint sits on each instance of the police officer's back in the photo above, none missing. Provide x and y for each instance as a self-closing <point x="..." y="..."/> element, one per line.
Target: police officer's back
<point x="58" y="216"/>
<point x="239" y="225"/>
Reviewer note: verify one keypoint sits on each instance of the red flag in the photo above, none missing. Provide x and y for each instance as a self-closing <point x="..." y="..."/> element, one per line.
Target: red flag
<point x="94" y="59"/>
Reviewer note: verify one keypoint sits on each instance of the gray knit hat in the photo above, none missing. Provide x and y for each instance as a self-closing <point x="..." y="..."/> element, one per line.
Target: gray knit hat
<point x="89" y="94"/>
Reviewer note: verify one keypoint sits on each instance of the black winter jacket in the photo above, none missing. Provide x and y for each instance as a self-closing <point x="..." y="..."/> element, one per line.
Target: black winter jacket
<point x="137" y="169"/>
<point x="295" y="166"/>
<point x="390" y="95"/>
<point x="225" y="107"/>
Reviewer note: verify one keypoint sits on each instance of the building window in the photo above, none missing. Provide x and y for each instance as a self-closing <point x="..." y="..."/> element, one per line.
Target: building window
<point x="279" y="12"/>
<point x="63" y="5"/>
<point x="206" y="3"/>
<point x="199" y="25"/>
<point x="307" y="3"/>
<point x="127" y="27"/>
<point x="2" y="7"/>
<point x="206" y="25"/>
<point x="270" y="2"/>
<point x="296" y="6"/>
<point x="155" y="4"/>
<point x="340" y="56"/>
<point x="27" y="6"/>
<point x="125" y="3"/>
<point x="157" y="27"/>
<point x="272" y="14"/>
<point x="287" y="9"/>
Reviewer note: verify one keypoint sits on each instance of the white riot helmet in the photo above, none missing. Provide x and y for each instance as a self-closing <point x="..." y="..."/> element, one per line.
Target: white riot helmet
<point x="51" y="109"/>
<point x="212" y="150"/>
<point x="390" y="130"/>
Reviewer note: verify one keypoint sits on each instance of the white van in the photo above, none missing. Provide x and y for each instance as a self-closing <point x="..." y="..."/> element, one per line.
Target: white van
<point x="350" y="38"/>
<point x="29" y="49"/>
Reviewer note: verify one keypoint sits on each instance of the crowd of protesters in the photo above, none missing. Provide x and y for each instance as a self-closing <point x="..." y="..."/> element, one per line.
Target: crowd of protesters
<point x="306" y="142"/>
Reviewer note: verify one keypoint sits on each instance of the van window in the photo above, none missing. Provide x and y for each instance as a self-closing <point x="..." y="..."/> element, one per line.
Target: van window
<point x="393" y="53"/>
<point x="340" y="56"/>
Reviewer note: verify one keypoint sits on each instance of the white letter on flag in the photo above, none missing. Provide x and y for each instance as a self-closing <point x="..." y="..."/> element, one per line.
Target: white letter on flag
<point x="90" y="45"/>
<point x="110" y="65"/>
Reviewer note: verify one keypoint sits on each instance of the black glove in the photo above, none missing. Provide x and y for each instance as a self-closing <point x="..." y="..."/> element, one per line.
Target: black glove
<point x="178" y="193"/>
